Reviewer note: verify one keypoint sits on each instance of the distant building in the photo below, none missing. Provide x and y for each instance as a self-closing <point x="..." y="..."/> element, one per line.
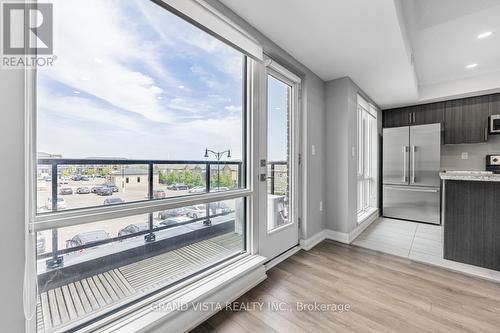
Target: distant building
<point x="133" y="177"/>
<point x="43" y="155"/>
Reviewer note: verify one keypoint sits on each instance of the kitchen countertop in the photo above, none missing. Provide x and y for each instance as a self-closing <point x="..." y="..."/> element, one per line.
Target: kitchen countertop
<point x="480" y="176"/>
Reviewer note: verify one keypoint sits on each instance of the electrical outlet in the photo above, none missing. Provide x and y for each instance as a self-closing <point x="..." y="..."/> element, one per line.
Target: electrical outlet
<point x="313" y="150"/>
<point x="465" y="155"/>
<point x="321" y="206"/>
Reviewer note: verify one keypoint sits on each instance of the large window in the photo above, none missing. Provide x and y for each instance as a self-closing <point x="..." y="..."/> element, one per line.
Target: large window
<point x="367" y="159"/>
<point x="141" y="175"/>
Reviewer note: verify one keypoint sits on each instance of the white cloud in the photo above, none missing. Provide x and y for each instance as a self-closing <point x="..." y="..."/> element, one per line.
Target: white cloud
<point x="141" y="111"/>
<point x="233" y="108"/>
<point x="110" y="77"/>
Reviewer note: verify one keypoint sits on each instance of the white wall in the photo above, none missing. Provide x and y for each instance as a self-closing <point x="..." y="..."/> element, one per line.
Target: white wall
<point x="341" y="153"/>
<point x="12" y="199"/>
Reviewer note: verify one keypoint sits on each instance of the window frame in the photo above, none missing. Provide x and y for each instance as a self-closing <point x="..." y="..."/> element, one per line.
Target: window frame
<point x="367" y="164"/>
<point x="53" y="220"/>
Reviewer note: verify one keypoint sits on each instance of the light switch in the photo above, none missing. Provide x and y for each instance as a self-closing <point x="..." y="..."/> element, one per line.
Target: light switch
<point x="321" y="206"/>
<point x="313" y="150"/>
<point x="465" y="155"/>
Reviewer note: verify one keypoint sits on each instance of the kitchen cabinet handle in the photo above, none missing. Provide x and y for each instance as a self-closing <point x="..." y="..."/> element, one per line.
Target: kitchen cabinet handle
<point x="413" y="118"/>
<point x="486" y="134"/>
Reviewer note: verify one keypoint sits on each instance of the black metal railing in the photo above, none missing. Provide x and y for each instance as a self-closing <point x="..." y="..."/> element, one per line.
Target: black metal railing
<point x="272" y="176"/>
<point x="55" y="256"/>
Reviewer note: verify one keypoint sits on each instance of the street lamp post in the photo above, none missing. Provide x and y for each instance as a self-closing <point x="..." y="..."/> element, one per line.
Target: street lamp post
<point x="218" y="155"/>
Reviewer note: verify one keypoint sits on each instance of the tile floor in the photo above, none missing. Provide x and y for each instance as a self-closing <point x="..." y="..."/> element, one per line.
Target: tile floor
<point x="418" y="241"/>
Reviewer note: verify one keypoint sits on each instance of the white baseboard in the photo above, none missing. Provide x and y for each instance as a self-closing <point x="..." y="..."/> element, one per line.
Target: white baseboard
<point x="309" y="243"/>
<point x="341" y="237"/>
<point x="273" y="262"/>
<point x="363" y="225"/>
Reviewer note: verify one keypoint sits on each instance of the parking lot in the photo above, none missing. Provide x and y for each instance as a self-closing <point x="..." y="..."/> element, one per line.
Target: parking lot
<point x="127" y="193"/>
<point x="112" y="227"/>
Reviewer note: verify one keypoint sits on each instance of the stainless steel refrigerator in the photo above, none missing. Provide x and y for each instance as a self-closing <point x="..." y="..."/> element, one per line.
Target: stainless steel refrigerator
<point x="411" y="165"/>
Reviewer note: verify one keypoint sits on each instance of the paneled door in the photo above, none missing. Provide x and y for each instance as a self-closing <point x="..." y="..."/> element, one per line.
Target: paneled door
<point x="278" y="225"/>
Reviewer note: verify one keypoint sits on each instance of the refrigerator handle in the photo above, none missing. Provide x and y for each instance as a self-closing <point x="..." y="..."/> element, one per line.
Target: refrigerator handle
<point x="413" y="149"/>
<point x="405" y="164"/>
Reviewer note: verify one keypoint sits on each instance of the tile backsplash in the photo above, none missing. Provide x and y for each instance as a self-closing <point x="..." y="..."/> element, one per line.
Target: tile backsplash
<point x="451" y="155"/>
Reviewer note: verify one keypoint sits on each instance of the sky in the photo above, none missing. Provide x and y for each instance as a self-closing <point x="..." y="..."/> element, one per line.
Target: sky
<point x="133" y="80"/>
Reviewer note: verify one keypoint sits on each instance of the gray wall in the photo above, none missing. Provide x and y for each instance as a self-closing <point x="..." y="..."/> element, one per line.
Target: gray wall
<point x="451" y="155"/>
<point x="12" y="201"/>
<point x="341" y="163"/>
<point x="313" y="108"/>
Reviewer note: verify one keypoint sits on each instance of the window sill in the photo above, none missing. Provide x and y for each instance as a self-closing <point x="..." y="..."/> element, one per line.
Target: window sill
<point x="176" y="312"/>
<point x="366" y="215"/>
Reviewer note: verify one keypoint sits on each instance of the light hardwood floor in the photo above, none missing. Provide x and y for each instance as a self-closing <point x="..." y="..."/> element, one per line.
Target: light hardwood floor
<point x="386" y="294"/>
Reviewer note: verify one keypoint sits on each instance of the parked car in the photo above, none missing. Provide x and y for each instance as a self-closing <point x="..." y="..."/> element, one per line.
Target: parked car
<point x="65" y="191"/>
<point x="82" y="190"/>
<point x="104" y="191"/>
<point x="178" y="187"/>
<point x="63" y="182"/>
<point x="85" y="178"/>
<point x="171" y="221"/>
<point x="40" y="243"/>
<point x="133" y="229"/>
<point x="198" y="189"/>
<point x="95" y="188"/>
<point x="112" y="187"/>
<point x="219" y="208"/>
<point x="196" y="211"/>
<point x="61" y="204"/>
<point x="159" y="194"/>
<point x="86" y="238"/>
<point x="172" y="213"/>
<point x="76" y="178"/>
<point x="113" y="201"/>
<point x="219" y="189"/>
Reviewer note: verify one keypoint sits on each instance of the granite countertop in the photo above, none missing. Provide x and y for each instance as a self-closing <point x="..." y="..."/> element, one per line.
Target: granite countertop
<point x="481" y="176"/>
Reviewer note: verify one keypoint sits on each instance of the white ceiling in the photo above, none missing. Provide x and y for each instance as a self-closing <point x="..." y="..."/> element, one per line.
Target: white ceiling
<point x="337" y="38"/>
<point x="371" y="41"/>
<point x="444" y="39"/>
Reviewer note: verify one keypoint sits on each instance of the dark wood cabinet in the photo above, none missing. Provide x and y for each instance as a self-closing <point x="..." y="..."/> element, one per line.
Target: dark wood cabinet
<point x="396" y="117"/>
<point x="471" y="228"/>
<point x="429" y="114"/>
<point x="465" y="120"/>
<point x="415" y="115"/>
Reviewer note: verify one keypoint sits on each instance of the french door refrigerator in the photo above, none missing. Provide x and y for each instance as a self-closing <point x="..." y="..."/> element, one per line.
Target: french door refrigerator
<point x="411" y="166"/>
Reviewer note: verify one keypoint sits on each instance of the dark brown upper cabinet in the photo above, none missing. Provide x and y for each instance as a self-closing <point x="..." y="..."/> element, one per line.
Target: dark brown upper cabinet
<point x="465" y="120"/>
<point x="396" y="117"/>
<point x="414" y="115"/>
<point x="429" y="114"/>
